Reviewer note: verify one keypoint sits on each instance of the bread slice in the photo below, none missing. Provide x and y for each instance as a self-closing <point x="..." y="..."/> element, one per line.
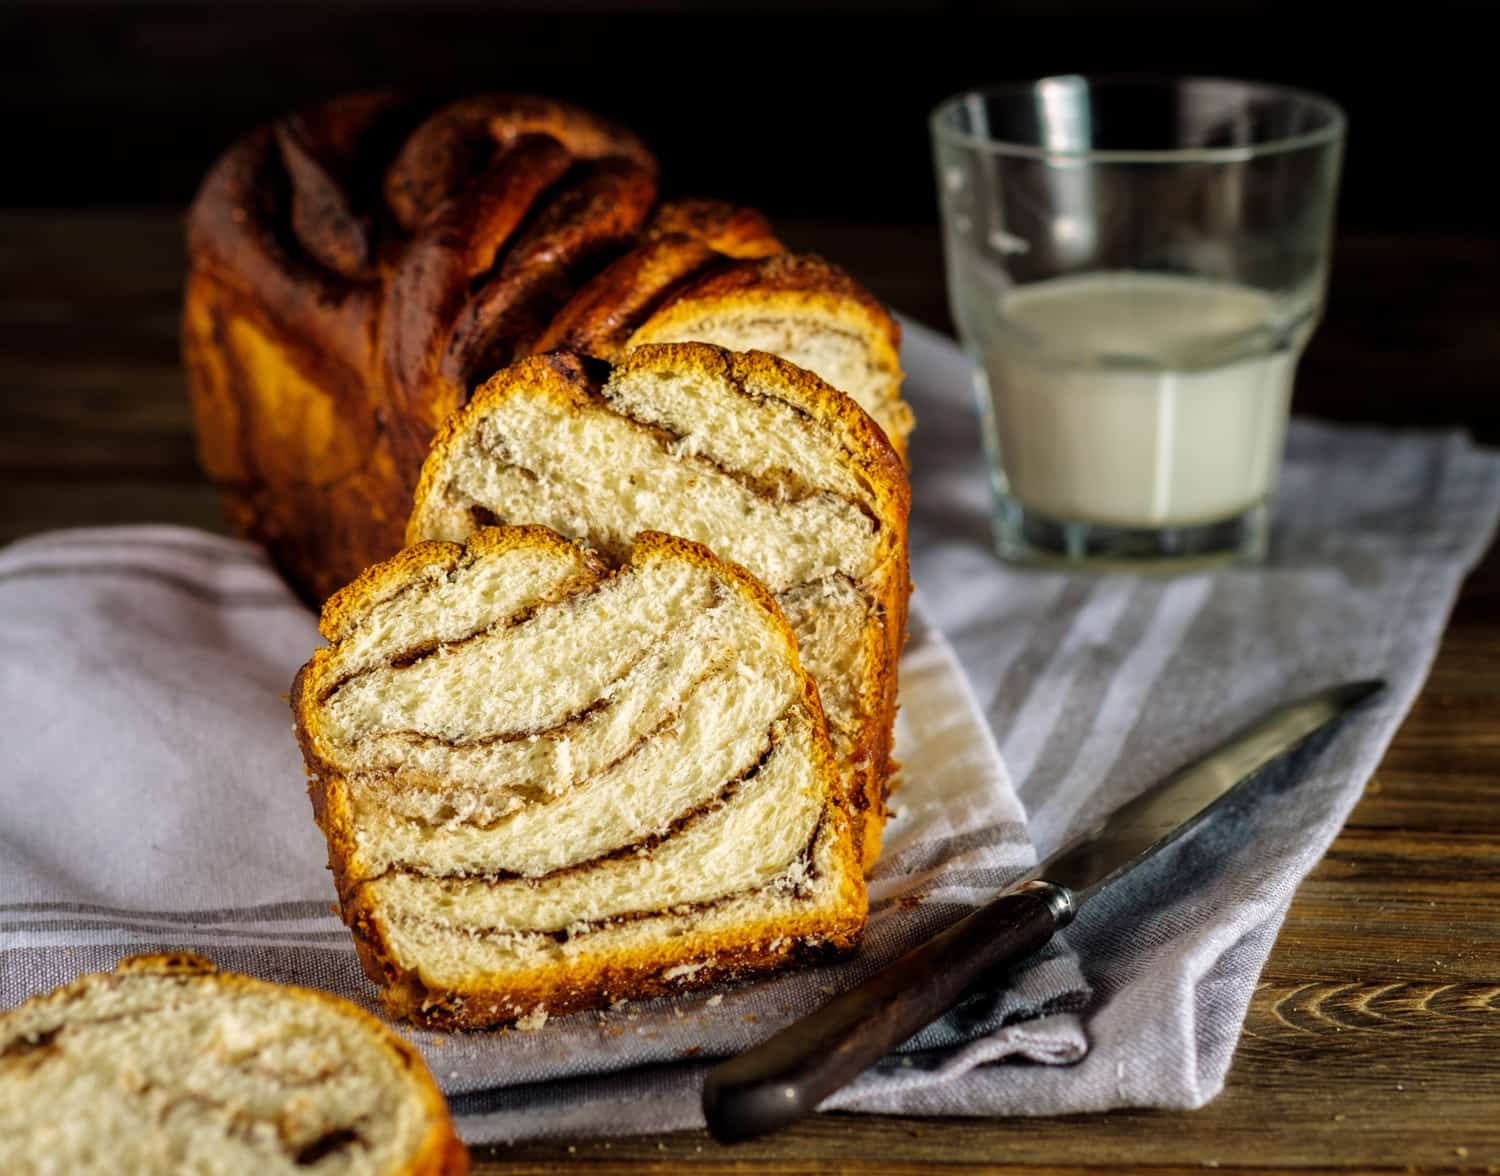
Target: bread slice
<point x="547" y="786"/>
<point x="168" y="1065"/>
<point x="754" y="457"/>
<point x="805" y="310"/>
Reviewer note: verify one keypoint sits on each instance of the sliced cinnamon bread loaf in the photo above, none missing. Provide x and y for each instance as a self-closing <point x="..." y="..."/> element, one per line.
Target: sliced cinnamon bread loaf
<point x="359" y="267"/>
<point x="547" y="785"/>
<point x="746" y="453"/>
<point x="167" y="1065"/>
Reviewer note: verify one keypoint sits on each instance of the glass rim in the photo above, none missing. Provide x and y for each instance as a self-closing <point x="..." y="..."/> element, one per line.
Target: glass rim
<point x="1331" y="133"/>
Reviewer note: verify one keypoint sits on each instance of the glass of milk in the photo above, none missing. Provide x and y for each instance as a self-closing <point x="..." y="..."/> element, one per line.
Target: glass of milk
<point x="1135" y="265"/>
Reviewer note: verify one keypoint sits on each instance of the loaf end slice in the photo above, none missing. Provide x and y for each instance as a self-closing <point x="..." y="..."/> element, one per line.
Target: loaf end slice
<point x="168" y="1065"/>
<point x="807" y="311"/>
<point x="547" y="785"/>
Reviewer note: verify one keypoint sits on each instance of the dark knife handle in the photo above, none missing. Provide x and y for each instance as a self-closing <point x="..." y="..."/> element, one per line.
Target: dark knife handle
<point x="785" y="1077"/>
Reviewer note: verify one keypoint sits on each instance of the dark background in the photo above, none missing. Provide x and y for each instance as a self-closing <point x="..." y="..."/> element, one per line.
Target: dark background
<point x="816" y="113"/>
<point x="804" y="109"/>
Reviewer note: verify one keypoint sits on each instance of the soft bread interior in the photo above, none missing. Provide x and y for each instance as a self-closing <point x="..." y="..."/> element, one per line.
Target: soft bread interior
<point x="501" y="681"/>
<point x="752" y="835"/>
<point x="482" y="757"/>
<point x="603" y="474"/>
<point x="163" y="1073"/>
<point x="838" y="639"/>
<point x="446" y="925"/>
<point x="370" y="622"/>
<point x="629" y="746"/>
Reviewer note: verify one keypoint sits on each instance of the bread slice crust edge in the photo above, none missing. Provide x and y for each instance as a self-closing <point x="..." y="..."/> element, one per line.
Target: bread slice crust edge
<point x="688" y="960"/>
<point x="440" y="1152"/>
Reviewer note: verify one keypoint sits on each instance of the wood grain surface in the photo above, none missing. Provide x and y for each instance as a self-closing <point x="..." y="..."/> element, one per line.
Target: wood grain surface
<point x="1373" y="1041"/>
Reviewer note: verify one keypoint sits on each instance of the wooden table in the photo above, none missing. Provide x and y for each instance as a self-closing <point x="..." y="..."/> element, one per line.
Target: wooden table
<point x="1373" y="1041"/>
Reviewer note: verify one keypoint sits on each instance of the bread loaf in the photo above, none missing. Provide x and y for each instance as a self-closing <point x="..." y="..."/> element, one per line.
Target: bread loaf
<point x="746" y="453"/>
<point x="167" y="1065"/>
<point x="546" y="785"/>
<point x="357" y="269"/>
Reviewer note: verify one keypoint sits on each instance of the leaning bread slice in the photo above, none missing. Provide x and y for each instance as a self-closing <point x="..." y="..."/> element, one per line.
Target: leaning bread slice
<point x="754" y="457"/>
<point x="805" y="310"/>
<point x="546" y="785"/>
<point x="167" y="1065"/>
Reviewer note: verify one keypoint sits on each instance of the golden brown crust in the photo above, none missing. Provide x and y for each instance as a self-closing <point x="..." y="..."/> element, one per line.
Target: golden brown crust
<point x="589" y="982"/>
<point x="314" y="444"/>
<point x="321" y="215"/>
<point x="592" y="219"/>
<point x="602" y="316"/>
<point x="279" y="352"/>
<point x="731" y="230"/>
<point x="290" y="433"/>
<point x="317" y="152"/>
<point x="430" y="285"/>
<point x="439" y="1154"/>
<point x="233" y="230"/>
<point x="346" y="289"/>
<point x="570" y="381"/>
<point x="592" y="983"/>
<point x="684" y="240"/>
<point x="455" y="142"/>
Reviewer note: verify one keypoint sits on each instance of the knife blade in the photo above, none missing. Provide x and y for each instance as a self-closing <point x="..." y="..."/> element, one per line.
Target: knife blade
<point x="784" y="1078"/>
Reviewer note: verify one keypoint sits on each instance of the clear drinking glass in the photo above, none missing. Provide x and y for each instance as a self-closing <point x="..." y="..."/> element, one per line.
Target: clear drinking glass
<point x="1135" y="265"/>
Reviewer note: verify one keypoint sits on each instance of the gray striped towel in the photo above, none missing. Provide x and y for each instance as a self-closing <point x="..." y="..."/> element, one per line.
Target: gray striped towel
<point x="151" y="797"/>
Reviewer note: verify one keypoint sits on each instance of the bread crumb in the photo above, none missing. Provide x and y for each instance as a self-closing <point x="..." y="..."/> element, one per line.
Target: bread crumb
<point x="533" y="1020"/>
<point x="715" y="1000"/>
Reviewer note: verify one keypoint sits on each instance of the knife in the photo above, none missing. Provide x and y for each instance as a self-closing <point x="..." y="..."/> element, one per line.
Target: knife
<point x="785" y="1077"/>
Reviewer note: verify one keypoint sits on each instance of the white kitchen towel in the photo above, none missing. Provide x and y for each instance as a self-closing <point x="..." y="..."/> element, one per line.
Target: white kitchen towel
<point x="152" y="797"/>
<point x="151" y="794"/>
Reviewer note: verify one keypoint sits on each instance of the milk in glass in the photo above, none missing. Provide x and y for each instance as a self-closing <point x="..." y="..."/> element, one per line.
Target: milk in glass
<point x="1137" y="399"/>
